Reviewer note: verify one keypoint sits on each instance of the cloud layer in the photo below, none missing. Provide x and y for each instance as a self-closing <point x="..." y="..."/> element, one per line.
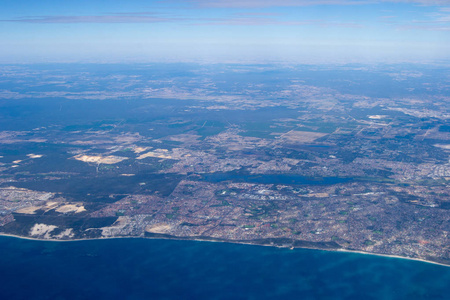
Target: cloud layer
<point x="130" y="18"/>
<point x="293" y="3"/>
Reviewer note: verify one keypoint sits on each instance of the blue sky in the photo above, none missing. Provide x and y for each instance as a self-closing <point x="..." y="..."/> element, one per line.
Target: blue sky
<point x="286" y="31"/>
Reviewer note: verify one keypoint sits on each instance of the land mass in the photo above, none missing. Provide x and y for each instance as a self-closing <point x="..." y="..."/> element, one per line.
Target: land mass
<point x="285" y="163"/>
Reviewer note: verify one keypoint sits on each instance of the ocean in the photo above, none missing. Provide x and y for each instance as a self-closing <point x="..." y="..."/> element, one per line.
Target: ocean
<point x="170" y="269"/>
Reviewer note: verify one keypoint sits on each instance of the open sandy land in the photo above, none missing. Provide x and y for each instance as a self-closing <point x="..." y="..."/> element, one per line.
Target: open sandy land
<point x="158" y="153"/>
<point x="294" y="136"/>
<point x="184" y="137"/>
<point x="64" y="208"/>
<point x="111" y="159"/>
<point x="317" y="195"/>
<point x="30" y="210"/>
<point x="42" y="230"/>
<point x="76" y="208"/>
<point x="159" y="228"/>
<point x="138" y="150"/>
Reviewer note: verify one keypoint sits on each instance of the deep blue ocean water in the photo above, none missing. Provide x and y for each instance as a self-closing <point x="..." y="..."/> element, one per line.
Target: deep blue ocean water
<point x="169" y="269"/>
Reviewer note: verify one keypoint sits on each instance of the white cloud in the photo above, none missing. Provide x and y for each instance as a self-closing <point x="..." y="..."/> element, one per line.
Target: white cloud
<point x="274" y="3"/>
<point x="292" y="3"/>
<point x="130" y="18"/>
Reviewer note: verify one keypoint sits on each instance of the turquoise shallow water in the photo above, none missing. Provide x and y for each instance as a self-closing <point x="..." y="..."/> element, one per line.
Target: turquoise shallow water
<point x="169" y="269"/>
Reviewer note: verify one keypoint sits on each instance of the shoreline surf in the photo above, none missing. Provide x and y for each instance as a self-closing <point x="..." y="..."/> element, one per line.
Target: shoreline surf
<point x="230" y="242"/>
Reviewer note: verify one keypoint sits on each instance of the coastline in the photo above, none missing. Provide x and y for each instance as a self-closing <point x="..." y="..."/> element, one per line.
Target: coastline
<point x="228" y="241"/>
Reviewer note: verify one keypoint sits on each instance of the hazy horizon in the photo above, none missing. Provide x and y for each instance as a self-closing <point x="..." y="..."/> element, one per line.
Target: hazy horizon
<point x="251" y="31"/>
